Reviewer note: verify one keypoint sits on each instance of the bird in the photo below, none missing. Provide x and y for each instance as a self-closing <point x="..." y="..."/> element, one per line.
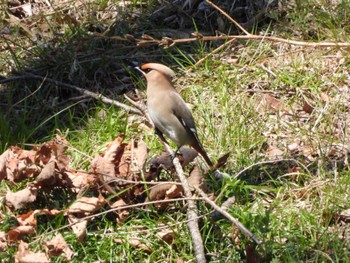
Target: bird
<point x="168" y="111"/>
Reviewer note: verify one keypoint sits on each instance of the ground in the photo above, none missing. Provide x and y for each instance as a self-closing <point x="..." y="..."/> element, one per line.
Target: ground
<point x="280" y="109"/>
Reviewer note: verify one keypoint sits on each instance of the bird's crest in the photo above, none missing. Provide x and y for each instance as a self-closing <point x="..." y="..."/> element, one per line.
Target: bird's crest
<point x="159" y="67"/>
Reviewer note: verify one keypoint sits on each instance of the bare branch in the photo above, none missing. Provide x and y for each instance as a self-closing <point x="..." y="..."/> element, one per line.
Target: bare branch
<point x="192" y="211"/>
<point x="240" y="226"/>
<point x="91" y="94"/>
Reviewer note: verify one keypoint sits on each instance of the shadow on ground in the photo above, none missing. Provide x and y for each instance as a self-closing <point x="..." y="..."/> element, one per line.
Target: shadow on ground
<point x="97" y="56"/>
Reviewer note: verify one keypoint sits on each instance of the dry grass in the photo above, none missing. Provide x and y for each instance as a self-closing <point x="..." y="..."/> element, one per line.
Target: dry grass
<point x="260" y="101"/>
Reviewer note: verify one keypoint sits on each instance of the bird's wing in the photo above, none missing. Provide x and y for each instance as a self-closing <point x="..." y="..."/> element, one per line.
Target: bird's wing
<point x="184" y="115"/>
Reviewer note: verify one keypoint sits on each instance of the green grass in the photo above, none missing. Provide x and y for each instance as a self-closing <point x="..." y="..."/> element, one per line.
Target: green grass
<point x="293" y="210"/>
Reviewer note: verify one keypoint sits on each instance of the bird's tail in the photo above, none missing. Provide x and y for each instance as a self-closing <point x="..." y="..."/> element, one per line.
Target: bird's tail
<point x="202" y="152"/>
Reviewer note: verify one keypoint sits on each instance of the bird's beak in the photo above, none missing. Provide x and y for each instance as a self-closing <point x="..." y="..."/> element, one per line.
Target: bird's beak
<point x="140" y="70"/>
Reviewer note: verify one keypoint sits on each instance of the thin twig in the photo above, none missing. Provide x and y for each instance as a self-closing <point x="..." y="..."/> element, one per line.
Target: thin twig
<point x="192" y="211"/>
<point x="269" y="38"/>
<point x="229" y="18"/>
<point x="143" y="108"/>
<point x="269" y="162"/>
<point x="215" y="51"/>
<point x="238" y="224"/>
<point x="112" y="210"/>
<point x="91" y="94"/>
<point x="268" y="70"/>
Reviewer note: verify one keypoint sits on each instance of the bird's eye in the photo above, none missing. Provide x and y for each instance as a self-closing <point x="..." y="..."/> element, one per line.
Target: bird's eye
<point x="148" y="70"/>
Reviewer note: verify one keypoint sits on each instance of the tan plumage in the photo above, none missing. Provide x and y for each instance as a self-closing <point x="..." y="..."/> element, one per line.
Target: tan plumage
<point x="168" y="111"/>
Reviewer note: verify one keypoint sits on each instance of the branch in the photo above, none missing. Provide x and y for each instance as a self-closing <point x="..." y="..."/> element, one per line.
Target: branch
<point x="229" y="18"/>
<point x="238" y="224"/>
<point x="192" y="212"/>
<point x="112" y="210"/>
<point x="91" y="94"/>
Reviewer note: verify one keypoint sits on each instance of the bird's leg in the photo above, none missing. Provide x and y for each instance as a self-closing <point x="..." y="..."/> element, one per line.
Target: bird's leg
<point x="161" y="136"/>
<point x="175" y="153"/>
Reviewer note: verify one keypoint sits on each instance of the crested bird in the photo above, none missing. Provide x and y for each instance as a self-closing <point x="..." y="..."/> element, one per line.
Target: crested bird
<point x="168" y="111"/>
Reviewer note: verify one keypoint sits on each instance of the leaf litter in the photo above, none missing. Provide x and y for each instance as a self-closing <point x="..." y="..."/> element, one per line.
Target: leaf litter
<point x="115" y="179"/>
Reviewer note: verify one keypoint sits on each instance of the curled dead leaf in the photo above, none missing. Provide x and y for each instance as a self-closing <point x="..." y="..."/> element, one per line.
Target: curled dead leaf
<point x="86" y="205"/>
<point x="141" y="154"/>
<point x="21" y="198"/>
<point x="47" y="174"/>
<point x="107" y="163"/>
<point x="167" y="235"/>
<point x="122" y="214"/>
<point x="196" y="178"/>
<point x="165" y="160"/>
<point x="58" y="246"/>
<point x="187" y="155"/>
<point x="24" y="255"/>
<point x="17" y="233"/>
<point x="159" y="191"/>
<point x="78" y="227"/>
<point x="345" y="216"/>
<point x="4" y="157"/>
<point x="307" y="107"/>
<point x="30" y="218"/>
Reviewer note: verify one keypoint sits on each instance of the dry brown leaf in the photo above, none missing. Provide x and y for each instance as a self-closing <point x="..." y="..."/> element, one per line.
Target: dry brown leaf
<point x="79" y="180"/>
<point x="196" y="178"/>
<point x="345" y="215"/>
<point x="222" y="161"/>
<point x="107" y="163"/>
<point x="158" y="192"/>
<point x="15" y="234"/>
<point x="119" y="203"/>
<point x="308" y="151"/>
<point x="114" y="149"/>
<point x="270" y="103"/>
<point x="43" y="154"/>
<point x="47" y="175"/>
<point x="167" y="235"/>
<point x="293" y="147"/>
<point x="86" y="205"/>
<point x="164" y="160"/>
<point x="3" y="241"/>
<point x="274" y="153"/>
<point x="307" y="107"/>
<point x="141" y="154"/>
<point x="78" y="227"/>
<point x="104" y="167"/>
<point x="188" y="155"/>
<point x="12" y="169"/>
<point x="122" y="214"/>
<point x="21" y="198"/>
<point x="24" y="255"/>
<point x="57" y="246"/>
<point x="135" y="242"/>
<point x="4" y="157"/>
<point x="174" y="191"/>
<point x="29" y="219"/>
<point x="60" y="147"/>
<point x="18" y="164"/>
